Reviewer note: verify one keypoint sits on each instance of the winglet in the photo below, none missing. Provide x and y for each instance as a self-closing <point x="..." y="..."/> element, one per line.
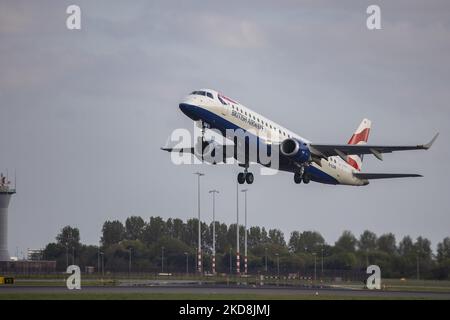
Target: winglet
<point x="429" y="144"/>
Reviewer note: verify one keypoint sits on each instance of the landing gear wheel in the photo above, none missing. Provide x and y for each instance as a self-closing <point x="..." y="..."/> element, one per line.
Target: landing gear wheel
<point x="249" y="178"/>
<point x="306" y="179"/>
<point x="241" y="178"/>
<point x="297" y="178"/>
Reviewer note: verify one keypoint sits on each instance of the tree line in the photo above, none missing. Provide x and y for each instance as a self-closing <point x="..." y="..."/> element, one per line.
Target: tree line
<point x="170" y="245"/>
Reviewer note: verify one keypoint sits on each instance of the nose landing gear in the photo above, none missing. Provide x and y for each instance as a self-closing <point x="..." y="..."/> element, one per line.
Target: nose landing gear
<point x="301" y="176"/>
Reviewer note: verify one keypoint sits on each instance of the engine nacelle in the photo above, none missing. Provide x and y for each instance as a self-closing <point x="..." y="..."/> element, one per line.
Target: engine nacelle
<point x="295" y="150"/>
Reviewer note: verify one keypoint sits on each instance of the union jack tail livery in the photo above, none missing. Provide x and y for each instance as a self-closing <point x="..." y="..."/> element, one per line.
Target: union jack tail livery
<point x="360" y="136"/>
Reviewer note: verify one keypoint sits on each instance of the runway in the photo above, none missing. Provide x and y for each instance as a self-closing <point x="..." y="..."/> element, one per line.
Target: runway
<point x="219" y="290"/>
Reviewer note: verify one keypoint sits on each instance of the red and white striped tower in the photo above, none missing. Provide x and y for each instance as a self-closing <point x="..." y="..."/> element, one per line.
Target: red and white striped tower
<point x="245" y="265"/>
<point x="245" y="235"/>
<point x="238" y="262"/>
<point x="214" y="231"/>
<point x="199" y="260"/>
<point x="199" y="252"/>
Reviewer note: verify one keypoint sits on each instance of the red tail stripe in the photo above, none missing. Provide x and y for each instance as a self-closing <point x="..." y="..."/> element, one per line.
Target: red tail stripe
<point x="361" y="136"/>
<point x="353" y="163"/>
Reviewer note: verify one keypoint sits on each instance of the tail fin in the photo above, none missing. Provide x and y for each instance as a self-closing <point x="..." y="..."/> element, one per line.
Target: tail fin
<point x="360" y="136"/>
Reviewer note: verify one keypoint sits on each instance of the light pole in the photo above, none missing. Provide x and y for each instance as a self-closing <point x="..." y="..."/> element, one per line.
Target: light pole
<point x="367" y="257"/>
<point x="187" y="263"/>
<point x="129" y="262"/>
<point x="265" y="250"/>
<point x="245" y="234"/>
<point x="238" y="262"/>
<point x="322" y="260"/>
<point x="98" y="259"/>
<point x="278" y="264"/>
<point x="418" y="265"/>
<point x="214" y="231"/>
<point x="278" y="267"/>
<point x="315" y="266"/>
<point x="103" y="264"/>
<point x="162" y="259"/>
<point x="199" y="253"/>
<point x="231" y="263"/>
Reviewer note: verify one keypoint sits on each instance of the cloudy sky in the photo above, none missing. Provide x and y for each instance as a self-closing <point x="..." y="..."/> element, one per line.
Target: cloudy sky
<point x="83" y="113"/>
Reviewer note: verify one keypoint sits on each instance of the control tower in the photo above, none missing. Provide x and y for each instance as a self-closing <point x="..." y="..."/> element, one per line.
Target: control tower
<point x="6" y="191"/>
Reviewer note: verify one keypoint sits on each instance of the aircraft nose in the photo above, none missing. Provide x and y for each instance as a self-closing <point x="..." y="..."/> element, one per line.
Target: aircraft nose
<point x="184" y="107"/>
<point x="189" y="110"/>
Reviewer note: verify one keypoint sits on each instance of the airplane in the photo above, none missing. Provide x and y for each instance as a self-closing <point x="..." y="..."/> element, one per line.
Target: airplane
<point x="335" y="164"/>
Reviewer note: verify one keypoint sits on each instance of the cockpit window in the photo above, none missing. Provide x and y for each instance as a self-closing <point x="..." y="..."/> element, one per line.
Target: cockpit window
<point x="209" y="95"/>
<point x="199" y="93"/>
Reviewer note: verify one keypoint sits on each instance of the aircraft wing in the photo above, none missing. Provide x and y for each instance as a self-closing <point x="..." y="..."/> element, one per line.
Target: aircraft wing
<point x="343" y="150"/>
<point x="370" y="176"/>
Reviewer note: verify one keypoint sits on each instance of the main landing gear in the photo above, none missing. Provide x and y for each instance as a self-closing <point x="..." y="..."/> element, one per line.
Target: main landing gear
<point x="245" y="176"/>
<point x="301" y="176"/>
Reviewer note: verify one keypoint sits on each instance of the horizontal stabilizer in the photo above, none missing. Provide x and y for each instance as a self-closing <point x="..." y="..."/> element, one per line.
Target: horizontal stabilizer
<point x="181" y="150"/>
<point x="370" y="176"/>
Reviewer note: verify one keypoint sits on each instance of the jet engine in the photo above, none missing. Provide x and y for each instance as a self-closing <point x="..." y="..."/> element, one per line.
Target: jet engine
<point x="296" y="150"/>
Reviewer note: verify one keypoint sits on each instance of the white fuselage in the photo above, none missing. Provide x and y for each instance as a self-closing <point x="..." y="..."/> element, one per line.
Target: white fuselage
<point x="226" y="112"/>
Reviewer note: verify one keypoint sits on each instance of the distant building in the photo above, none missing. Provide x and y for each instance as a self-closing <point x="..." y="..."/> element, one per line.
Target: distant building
<point x="34" y="254"/>
<point x="27" y="267"/>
